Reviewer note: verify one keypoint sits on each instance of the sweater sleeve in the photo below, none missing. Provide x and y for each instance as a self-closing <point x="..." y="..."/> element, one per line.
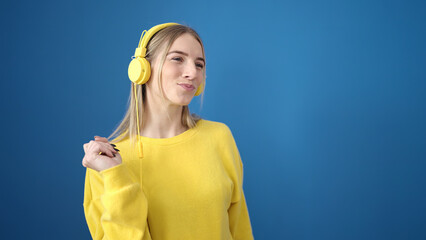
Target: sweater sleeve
<point x="115" y="205"/>
<point x="239" y="220"/>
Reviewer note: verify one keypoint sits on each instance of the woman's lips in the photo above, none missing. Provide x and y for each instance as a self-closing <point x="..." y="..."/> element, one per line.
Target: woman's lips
<point x="187" y="87"/>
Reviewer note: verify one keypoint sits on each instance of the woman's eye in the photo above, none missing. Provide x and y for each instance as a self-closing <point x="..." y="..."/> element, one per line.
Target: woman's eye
<point x="199" y="65"/>
<point x="179" y="59"/>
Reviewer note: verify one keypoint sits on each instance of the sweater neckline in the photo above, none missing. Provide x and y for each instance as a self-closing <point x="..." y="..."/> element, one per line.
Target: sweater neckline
<point x="175" y="139"/>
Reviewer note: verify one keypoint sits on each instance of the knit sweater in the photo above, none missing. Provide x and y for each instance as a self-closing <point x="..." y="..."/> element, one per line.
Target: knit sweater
<point x="185" y="187"/>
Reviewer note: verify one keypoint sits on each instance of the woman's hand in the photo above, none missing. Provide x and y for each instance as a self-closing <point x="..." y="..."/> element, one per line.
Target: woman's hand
<point x="108" y="158"/>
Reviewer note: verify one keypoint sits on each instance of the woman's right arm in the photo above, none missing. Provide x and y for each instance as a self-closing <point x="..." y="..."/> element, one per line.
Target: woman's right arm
<point x="115" y="206"/>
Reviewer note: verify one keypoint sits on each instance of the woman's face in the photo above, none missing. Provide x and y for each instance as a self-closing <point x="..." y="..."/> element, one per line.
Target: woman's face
<point x="183" y="70"/>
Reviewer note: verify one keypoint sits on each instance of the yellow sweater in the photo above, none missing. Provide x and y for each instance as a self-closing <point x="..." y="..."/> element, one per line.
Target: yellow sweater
<point x="186" y="187"/>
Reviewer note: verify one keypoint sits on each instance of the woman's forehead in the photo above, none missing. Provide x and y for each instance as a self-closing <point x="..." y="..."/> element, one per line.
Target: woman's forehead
<point x="188" y="44"/>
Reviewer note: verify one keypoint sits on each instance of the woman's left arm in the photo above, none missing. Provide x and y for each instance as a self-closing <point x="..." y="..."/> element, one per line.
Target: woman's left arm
<point x="239" y="220"/>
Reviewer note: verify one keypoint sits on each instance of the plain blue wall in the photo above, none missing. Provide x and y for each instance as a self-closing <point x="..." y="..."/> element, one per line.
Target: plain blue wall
<point x="326" y="100"/>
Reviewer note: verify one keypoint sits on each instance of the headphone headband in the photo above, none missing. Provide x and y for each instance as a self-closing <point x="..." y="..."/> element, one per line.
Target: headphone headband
<point x="146" y="36"/>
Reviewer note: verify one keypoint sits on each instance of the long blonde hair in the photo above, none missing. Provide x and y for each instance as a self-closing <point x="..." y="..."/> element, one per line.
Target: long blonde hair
<point x="163" y="39"/>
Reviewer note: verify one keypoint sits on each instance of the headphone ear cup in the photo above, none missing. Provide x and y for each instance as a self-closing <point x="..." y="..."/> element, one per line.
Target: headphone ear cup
<point x="139" y="70"/>
<point x="200" y="89"/>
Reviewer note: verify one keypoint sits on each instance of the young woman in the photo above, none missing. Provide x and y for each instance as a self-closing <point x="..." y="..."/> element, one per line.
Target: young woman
<point x="166" y="174"/>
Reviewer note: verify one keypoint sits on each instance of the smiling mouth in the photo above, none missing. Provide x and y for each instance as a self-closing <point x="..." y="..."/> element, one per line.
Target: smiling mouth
<point x="187" y="87"/>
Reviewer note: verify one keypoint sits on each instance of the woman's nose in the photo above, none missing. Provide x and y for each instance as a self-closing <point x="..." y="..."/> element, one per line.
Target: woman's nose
<point x="190" y="71"/>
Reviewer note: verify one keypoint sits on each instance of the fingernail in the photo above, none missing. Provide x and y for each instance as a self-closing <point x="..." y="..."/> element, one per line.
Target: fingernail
<point x="113" y="145"/>
<point x="113" y="154"/>
<point x="116" y="149"/>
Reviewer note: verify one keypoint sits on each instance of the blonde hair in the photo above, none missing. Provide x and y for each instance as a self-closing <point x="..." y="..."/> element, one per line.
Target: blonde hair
<point x="157" y="47"/>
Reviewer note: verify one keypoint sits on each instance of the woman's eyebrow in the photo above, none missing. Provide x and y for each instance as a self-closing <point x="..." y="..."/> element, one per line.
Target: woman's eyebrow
<point x="185" y="54"/>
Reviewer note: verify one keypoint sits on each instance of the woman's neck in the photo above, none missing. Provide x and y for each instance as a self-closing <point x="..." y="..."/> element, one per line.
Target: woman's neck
<point x="162" y="121"/>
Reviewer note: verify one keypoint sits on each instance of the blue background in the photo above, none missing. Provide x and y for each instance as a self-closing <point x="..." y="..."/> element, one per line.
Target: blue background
<point x="326" y="100"/>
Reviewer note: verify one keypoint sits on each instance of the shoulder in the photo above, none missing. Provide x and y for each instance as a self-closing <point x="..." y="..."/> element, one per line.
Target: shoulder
<point x="214" y="128"/>
<point x="226" y="144"/>
<point x="217" y="132"/>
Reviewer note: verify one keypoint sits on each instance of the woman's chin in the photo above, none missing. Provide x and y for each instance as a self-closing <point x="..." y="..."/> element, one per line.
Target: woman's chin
<point x="183" y="101"/>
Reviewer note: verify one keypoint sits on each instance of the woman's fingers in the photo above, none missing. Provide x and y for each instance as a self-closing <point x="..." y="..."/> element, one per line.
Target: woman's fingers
<point x="105" y="140"/>
<point x="107" y="149"/>
<point x="96" y="147"/>
<point x="100" y="154"/>
<point x="110" y="146"/>
<point x="102" y="139"/>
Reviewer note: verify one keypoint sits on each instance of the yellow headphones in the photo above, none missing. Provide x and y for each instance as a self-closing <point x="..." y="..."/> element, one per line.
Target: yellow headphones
<point x="139" y="68"/>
